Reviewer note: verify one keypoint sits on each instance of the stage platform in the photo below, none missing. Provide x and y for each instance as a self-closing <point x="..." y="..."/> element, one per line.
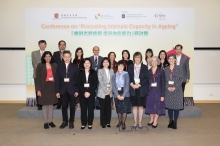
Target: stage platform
<point x="32" y="112"/>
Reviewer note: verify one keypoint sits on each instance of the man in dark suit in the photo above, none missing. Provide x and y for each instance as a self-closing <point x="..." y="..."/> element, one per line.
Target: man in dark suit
<point x="183" y="62"/>
<point x="36" y="58"/>
<point x="66" y="88"/>
<point x="58" y="58"/>
<point x="96" y="62"/>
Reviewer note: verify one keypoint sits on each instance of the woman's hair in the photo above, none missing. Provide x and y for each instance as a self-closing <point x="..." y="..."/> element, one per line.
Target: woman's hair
<point x="43" y="56"/>
<point x="149" y="50"/>
<point x="171" y="55"/>
<point x="151" y="59"/>
<point x="110" y="54"/>
<point x="105" y="58"/>
<point x="76" y="57"/>
<point x="127" y="53"/>
<point x="137" y="54"/>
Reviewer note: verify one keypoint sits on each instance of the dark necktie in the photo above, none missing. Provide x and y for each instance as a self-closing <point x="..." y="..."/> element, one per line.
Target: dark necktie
<point x="96" y="61"/>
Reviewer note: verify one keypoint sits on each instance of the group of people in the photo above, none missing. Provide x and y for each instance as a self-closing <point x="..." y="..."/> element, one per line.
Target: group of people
<point x="142" y="85"/>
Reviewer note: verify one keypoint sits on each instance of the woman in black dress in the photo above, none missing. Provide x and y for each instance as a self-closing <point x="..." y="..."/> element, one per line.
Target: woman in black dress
<point x="120" y="88"/>
<point x="163" y="59"/>
<point x="78" y="60"/>
<point x="138" y="73"/>
<point x="126" y="59"/>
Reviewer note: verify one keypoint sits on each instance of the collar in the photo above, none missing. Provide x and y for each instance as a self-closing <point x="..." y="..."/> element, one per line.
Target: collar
<point x="138" y="65"/>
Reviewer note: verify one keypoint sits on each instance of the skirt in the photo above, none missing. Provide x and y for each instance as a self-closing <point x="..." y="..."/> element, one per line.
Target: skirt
<point x="123" y="106"/>
<point x="137" y="100"/>
<point x="48" y="94"/>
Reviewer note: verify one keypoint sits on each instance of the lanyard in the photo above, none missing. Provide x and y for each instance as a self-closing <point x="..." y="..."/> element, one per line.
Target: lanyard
<point x="154" y="75"/>
<point x="137" y="73"/>
<point x="78" y="63"/>
<point x="67" y="69"/>
<point x="171" y="73"/>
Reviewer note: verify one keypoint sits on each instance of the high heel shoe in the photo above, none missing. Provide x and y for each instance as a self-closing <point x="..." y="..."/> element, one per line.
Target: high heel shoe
<point x="170" y="125"/>
<point x="140" y="125"/>
<point x="119" y="125"/>
<point x="134" y="126"/>
<point x="154" y="126"/>
<point x="123" y="126"/>
<point x="46" y="126"/>
<point x="174" y="125"/>
<point x="150" y="124"/>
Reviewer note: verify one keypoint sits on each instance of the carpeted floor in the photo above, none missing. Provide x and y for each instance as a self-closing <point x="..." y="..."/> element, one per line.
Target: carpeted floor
<point x="203" y="131"/>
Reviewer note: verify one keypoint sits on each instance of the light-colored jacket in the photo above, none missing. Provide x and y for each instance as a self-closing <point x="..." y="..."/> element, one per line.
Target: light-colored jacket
<point x="103" y="81"/>
<point x="36" y="58"/>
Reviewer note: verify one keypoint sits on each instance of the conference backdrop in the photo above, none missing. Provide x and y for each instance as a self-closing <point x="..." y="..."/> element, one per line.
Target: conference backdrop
<point x="112" y="29"/>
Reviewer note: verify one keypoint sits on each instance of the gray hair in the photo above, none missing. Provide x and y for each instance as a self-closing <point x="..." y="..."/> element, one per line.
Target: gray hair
<point x="151" y="59"/>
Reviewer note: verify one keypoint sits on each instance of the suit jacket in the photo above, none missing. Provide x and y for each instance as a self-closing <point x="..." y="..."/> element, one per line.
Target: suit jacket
<point x="103" y="81"/>
<point x="184" y="64"/>
<point x="81" y="65"/>
<point x="93" y="62"/>
<point x="159" y="79"/>
<point x="56" y="58"/>
<point x="41" y="75"/>
<point x="92" y="80"/>
<point x="36" y="58"/>
<point x="71" y="86"/>
<point x="143" y="90"/>
<point x="125" y="88"/>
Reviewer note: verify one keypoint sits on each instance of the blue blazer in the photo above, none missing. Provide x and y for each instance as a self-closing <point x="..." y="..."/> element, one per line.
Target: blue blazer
<point x="143" y="90"/>
<point x="159" y="79"/>
<point x="71" y="86"/>
<point x="93" y="62"/>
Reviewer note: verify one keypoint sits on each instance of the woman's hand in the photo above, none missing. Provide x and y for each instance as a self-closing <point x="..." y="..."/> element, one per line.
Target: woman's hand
<point x="58" y="95"/>
<point x="39" y="93"/>
<point x="87" y="94"/>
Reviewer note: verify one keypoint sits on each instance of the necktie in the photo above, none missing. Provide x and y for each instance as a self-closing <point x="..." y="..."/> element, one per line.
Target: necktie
<point x="95" y="60"/>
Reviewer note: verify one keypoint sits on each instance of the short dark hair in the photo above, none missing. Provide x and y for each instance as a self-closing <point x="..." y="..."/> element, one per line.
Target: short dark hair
<point x="67" y="52"/>
<point x="120" y="62"/>
<point x="137" y="54"/>
<point x="61" y="42"/>
<point x="43" y="56"/>
<point x="105" y="58"/>
<point x="171" y="55"/>
<point x="110" y="54"/>
<point x="178" y="45"/>
<point x="149" y="50"/>
<point x="127" y="53"/>
<point x="42" y="42"/>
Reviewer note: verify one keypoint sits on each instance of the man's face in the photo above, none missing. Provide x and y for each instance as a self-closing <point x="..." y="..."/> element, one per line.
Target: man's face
<point x="96" y="51"/>
<point x="42" y="46"/>
<point x="62" y="46"/>
<point x="178" y="50"/>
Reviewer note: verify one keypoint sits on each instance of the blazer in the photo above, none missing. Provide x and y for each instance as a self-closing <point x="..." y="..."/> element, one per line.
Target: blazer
<point x="102" y="87"/>
<point x="81" y="64"/>
<point x="71" y="86"/>
<point x="92" y="80"/>
<point x="41" y="74"/>
<point x="159" y="79"/>
<point x="184" y="64"/>
<point x="56" y="58"/>
<point x="143" y="89"/>
<point x="36" y="58"/>
<point x="125" y="88"/>
<point x="93" y="62"/>
<point x="130" y="62"/>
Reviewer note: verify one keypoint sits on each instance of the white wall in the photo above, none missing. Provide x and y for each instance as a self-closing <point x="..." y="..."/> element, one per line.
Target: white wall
<point x="207" y="32"/>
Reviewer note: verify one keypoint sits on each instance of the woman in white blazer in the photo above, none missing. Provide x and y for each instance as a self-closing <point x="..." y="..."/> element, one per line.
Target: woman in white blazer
<point x="105" y="92"/>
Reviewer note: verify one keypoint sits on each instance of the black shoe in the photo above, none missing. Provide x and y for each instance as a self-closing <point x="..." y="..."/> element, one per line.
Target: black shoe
<point x="154" y="126"/>
<point x="150" y="124"/>
<point x="98" y="107"/>
<point x="58" y="107"/>
<point x="63" y="125"/>
<point x="103" y="126"/>
<point x="39" y="108"/>
<point x="46" y="126"/>
<point x="108" y="125"/>
<point x="140" y="125"/>
<point x="83" y="127"/>
<point x="174" y="125"/>
<point x="119" y="125"/>
<point x="170" y="124"/>
<point x="71" y="125"/>
<point x="89" y="127"/>
<point x="51" y="124"/>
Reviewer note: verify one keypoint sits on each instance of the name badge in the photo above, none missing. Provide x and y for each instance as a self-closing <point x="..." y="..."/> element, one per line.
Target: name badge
<point x="86" y="85"/>
<point x="50" y="79"/>
<point x="154" y="84"/>
<point x="108" y="85"/>
<point x="119" y="88"/>
<point x="66" y="80"/>
<point x="171" y="82"/>
<point x="137" y="81"/>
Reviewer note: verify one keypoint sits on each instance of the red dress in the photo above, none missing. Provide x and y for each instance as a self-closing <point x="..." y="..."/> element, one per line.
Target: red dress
<point x="50" y="77"/>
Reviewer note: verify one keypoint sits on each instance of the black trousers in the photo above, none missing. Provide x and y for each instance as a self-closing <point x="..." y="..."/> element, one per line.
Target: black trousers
<point x="183" y="88"/>
<point x="38" y="105"/>
<point x="105" y="110"/>
<point x="65" y="99"/>
<point x="87" y="110"/>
